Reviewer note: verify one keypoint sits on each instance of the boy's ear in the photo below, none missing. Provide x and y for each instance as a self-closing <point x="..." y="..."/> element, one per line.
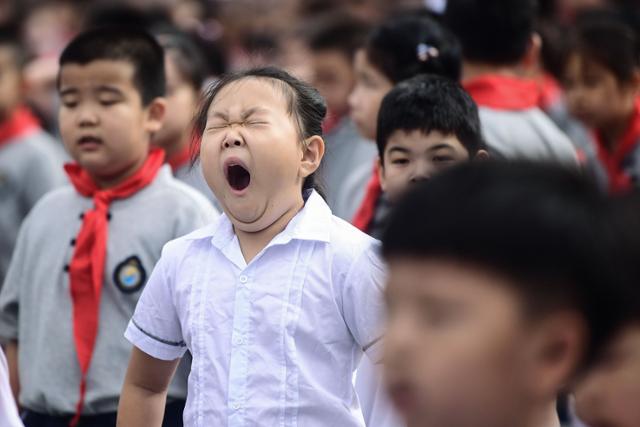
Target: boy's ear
<point x="312" y="153"/>
<point x="531" y="59"/>
<point x="556" y="350"/>
<point x="156" y="111"/>
<point x="381" y="176"/>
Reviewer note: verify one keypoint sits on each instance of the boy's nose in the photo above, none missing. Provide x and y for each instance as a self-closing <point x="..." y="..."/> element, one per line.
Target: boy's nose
<point x="87" y="118"/>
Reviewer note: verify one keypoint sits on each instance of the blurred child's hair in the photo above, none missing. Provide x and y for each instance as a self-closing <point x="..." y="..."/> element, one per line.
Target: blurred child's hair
<point x="187" y="56"/>
<point x="10" y="39"/>
<point x="337" y="31"/>
<point x="543" y="227"/>
<point x="496" y="32"/>
<point x="405" y="46"/>
<point x="430" y="103"/>
<point x="132" y="46"/>
<point x="627" y="226"/>
<point x="605" y="39"/>
<point x="304" y="103"/>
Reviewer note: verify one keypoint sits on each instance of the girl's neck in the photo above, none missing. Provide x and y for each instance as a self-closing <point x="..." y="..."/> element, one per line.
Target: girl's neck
<point x="252" y="243"/>
<point x="612" y="134"/>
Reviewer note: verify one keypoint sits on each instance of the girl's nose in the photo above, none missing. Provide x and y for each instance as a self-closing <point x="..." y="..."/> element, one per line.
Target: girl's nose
<point x="233" y="141"/>
<point x="86" y="117"/>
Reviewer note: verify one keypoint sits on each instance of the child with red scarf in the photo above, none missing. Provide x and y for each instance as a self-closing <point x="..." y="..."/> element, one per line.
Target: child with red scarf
<point x="84" y="252"/>
<point x="30" y="159"/>
<point x="496" y="72"/>
<point x="602" y="84"/>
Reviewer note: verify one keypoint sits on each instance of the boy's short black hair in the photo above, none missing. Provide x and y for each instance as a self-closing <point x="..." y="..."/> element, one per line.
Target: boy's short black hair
<point x="187" y="56"/>
<point x="407" y="45"/>
<point x="542" y="226"/>
<point x="605" y="38"/>
<point x="495" y="32"/>
<point x="627" y="226"/>
<point x="337" y="31"/>
<point x="10" y="39"/>
<point x="430" y="103"/>
<point x="135" y="47"/>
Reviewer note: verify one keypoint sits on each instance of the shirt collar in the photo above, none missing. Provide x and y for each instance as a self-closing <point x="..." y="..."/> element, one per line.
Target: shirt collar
<point x="311" y="223"/>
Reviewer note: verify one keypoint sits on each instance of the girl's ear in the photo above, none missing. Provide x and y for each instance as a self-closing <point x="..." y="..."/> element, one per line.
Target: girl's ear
<point x="156" y="111"/>
<point x="312" y="153"/>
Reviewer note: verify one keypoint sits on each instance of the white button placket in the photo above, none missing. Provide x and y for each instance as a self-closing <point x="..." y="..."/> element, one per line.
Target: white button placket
<point x="239" y="363"/>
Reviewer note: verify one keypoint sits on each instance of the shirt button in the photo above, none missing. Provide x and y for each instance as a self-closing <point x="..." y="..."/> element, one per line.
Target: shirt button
<point x="236" y="406"/>
<point x="239" y="341"/>
<point x="244" y="279"/>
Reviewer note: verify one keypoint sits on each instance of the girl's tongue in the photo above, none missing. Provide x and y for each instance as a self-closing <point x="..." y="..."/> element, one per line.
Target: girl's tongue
<point x="238" y="177"/>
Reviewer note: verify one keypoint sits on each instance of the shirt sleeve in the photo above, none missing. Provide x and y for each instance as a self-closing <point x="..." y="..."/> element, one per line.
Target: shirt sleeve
<point x="363" y="302"/>
<point x="10" y="291"/>
<point x="8" y="409"/>
<point x="155" y="326"/>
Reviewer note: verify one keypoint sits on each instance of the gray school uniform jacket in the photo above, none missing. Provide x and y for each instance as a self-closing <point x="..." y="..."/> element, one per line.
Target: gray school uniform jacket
<point x="29" y="167"/>
<point x="35" y="302"/>
<point x="193" y="177"/>
<point x="526" y="134"/>
<point x="346" y="168"/>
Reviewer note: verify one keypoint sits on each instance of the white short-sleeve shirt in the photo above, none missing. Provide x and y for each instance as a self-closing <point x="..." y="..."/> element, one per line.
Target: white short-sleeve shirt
<point x="275" y="341"/>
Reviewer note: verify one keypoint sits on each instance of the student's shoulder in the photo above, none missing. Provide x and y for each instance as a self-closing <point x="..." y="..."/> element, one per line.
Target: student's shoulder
<point x="180" y="195"/>
<point x="53" y="206"/>
<point x="174" y="251"/>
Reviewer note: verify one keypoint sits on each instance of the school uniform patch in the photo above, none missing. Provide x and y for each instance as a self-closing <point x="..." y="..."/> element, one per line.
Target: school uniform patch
<point x="130" y="275"/>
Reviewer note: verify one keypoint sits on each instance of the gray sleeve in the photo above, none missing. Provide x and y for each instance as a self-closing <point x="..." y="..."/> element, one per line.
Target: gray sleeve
<point x="10" y="291"/>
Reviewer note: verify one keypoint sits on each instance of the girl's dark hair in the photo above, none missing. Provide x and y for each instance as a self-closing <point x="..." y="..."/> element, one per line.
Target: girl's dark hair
<point x="304" y="104"/>
<point x="405" y="46"/>
<point x="606" y="39"/>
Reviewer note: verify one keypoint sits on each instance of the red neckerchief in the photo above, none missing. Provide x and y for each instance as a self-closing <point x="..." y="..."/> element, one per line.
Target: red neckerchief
<point x="366" y="211"/>
<point x="503" y="92"/>
<point x="86" y="270"/>
<point x="179" y="159"/>
<point x="619" y="181"/>
<point x="21" y="123"/>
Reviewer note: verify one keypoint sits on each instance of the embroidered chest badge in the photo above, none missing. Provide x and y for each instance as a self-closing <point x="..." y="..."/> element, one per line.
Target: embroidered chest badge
<point x="130" y="275"/>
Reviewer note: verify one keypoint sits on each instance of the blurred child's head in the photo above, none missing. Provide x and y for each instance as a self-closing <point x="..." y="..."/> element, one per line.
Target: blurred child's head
<point x="11" y="62"/>
<point x="111" y="82"/>
<point x="333" y="41"/>
<point x="425" y="125"/>
<point x="496" y="294"/>
<point x="400" y="48"/>
<point x="602" y="72"/>
<point x="185" y="74"/>
<point x="608" y="394"/>
<point x="493" y="32"/>
<point x="261" y="143"/>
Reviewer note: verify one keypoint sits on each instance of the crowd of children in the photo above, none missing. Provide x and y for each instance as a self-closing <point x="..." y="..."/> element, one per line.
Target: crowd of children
<point x="384" y="217"/>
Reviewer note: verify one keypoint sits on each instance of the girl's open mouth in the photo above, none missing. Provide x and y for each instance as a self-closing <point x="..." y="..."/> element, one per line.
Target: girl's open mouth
<point x="237" y="176"/>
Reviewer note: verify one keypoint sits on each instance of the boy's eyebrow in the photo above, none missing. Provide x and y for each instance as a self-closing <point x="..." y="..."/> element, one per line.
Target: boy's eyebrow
<point x="109" y="89"/>
<point x="397" y="148"/>
<point x="440" y="145"/>
<point x="68" y="91"/>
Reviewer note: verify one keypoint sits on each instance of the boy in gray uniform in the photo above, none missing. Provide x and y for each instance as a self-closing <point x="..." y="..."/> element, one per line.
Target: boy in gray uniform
<point x="496" y="65"/>
<point x="30" y="161"/>
<point x="84" y="252"/>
